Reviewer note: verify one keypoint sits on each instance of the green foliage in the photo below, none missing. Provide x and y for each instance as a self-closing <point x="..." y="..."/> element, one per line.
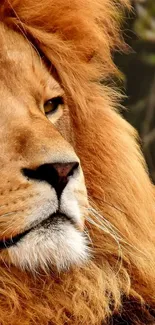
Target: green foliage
<point x="145" y="23"/>
<point x="138" y="68"/>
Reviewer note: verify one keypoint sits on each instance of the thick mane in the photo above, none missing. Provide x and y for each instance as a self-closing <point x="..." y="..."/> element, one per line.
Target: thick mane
<point x="78" y="38"/>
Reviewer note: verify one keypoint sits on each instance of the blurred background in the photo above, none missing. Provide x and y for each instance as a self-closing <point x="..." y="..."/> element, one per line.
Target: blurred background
<point x="138" y="75"/>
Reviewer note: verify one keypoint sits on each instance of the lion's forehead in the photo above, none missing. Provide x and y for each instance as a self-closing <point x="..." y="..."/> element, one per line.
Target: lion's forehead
<point x="24" y="80"/>
<point x="18" y="59"/>
<point x="9" y="51"/>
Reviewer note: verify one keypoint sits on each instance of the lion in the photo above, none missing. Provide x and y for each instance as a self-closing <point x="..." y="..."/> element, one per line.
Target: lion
<point x="77" y="206"/>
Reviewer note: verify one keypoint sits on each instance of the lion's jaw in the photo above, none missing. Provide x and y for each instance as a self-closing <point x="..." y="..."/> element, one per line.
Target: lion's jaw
<point x="46" y="231"/>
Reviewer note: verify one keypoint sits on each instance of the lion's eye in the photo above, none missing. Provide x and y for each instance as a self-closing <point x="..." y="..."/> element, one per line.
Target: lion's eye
<point x="52" y="105"/>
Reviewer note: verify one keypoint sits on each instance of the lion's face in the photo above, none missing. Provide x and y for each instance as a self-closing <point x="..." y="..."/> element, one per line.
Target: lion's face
<point x="42" y="193"/>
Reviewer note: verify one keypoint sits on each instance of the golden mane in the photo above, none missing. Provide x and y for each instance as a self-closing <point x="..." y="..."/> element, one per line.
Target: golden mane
<point x="78" y="37"/>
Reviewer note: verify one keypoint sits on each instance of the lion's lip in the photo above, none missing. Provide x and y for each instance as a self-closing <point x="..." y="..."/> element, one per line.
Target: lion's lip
<point x="8" y="242"/>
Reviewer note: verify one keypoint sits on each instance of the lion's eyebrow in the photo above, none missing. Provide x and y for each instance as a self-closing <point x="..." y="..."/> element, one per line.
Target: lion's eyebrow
<point x="47" y="90"/>
<point x="53" y="86"/>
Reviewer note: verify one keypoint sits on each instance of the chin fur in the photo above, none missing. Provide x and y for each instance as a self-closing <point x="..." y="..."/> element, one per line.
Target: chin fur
<point x="56" y="246"/>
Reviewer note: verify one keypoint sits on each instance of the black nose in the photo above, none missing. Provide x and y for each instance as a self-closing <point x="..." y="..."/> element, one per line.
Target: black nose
<point x="57" y="174"/>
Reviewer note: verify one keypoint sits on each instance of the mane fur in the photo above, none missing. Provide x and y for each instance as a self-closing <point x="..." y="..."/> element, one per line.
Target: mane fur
<point x="78" y="38"/>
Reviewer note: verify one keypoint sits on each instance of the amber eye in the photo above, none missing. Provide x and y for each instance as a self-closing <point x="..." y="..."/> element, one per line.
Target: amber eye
<point x="52" y="105"/>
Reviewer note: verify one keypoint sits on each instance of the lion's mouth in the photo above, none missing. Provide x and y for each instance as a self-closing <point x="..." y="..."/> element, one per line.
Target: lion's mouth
<point x="8" y="242"/>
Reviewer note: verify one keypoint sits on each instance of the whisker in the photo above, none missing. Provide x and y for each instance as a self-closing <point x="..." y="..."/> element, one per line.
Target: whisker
<point x="102" y="219"/>
<point x="86" y="232"/>
<point x="109" y="204"/>
<point x="115" y="231"/>
<point x="114" y="236"/>
<point x="2" y="206"/>
<point x="11" y="226"/>
<point x="9" y="213"/>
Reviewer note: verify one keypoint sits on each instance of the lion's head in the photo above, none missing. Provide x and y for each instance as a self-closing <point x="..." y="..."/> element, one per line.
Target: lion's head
<point x="75" y="195"/>
<point x="43" y="197"/>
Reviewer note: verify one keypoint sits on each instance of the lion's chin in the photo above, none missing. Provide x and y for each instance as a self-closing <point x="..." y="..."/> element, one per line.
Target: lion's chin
<point x="51" y="246"/>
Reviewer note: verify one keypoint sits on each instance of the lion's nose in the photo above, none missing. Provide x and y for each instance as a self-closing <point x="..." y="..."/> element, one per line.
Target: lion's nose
<point x="65" y="169"/>
<point x="56" y="174"/>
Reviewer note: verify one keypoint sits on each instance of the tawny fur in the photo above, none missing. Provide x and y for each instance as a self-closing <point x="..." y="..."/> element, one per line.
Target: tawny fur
<point x="77" y="37"/>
